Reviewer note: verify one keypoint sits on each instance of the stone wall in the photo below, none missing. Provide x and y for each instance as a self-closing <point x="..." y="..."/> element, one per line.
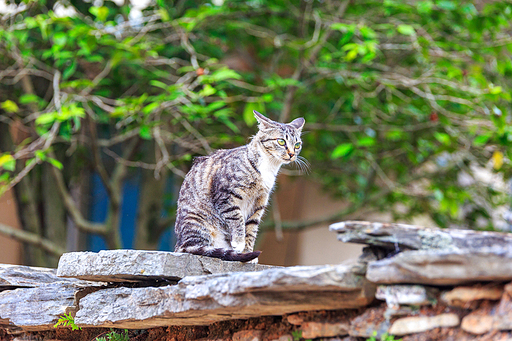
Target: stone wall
<point x="412" y="283"/>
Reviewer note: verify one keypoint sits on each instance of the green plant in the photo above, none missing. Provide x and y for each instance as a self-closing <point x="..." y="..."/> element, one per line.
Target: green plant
<point x="67" y="321"/>
<point x="114" y="336"/>
<point x="402" y="100"/>
<point x="384" y="337"/>
<point x="297" y="335"/>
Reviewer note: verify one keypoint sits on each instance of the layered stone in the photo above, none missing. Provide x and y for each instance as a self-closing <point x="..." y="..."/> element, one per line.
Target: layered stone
<point x="207" y="299"/>
<point x="400" y="237"/>
<point x="139" y="265"/>
<point x="443" y="267"/>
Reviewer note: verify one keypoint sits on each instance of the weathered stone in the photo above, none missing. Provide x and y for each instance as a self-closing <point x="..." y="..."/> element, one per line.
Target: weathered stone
<point x="372" y="322"/>
<point x="476" y="323"/>
<point x="207" y="299"/>
<point x="20" y="276"/>
<point x="139" y="265"/>
<point x="33" y="298"/>
<point x="312" y="330"/>
<point x="37" y="308"/>
<point x="295" y="319"/>
<point x="248" y="335"/>
<point x="396" y="295"/>
<point x="461" y="296"/>
<point x="443" y="267"/>
<point x="508" y="288"/>
<point x="490" y="318"/>
<point x="409" y="237"/>
<point x="418" y="324"/>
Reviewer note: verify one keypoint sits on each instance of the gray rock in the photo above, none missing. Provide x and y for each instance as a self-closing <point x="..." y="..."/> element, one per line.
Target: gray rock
<point x="371" y="323"/>
<point x="203" y="300"/>
<point x="33" y="298"/>
<point x="396" y="295"/>
<point x="39" y="308"/>
<point x="443" y="267"/>
<point x="19" y="276"/>
<point x="138" y="265"/>
<point x="409" y="237"/>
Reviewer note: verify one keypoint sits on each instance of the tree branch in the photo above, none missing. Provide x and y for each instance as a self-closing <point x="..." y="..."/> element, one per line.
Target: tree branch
<point x="288" y="101"/>
<point x="98" y="164"/>
<point x="32" y="239"/>
<point x="74" y="212"/>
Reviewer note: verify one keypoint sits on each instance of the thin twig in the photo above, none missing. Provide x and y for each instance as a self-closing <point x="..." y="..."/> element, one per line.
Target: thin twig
<point x="32" y="239"/>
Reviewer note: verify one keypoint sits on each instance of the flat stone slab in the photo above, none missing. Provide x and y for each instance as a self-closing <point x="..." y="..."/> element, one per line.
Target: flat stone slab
<point x="38" y="308"/>
<point x="203" y="300"/>
<point x="36" y="302"/>
<point x="419" y="324"/>
<point x="139" y="265"/>
<point x="20" y="276"/>
<point x="443" y="267"/>
<point x="409" y="237"/>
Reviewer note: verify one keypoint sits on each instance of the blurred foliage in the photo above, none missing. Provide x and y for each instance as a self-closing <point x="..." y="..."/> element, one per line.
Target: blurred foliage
<point x="405" y="102"/>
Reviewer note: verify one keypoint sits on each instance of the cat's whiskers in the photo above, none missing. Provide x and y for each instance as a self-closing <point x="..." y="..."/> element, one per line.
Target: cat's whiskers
<point x="302" y="164"/>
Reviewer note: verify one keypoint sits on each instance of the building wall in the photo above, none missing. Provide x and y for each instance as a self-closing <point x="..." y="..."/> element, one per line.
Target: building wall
<point x="300" y="199"/>
<point x="11" y="250"/>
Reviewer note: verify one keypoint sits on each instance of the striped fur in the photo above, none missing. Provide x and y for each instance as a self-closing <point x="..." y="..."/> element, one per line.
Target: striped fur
<point x="224" y="195"/>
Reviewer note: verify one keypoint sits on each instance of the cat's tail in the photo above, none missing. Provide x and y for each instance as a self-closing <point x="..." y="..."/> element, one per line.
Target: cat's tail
<point x="224" y="254"/>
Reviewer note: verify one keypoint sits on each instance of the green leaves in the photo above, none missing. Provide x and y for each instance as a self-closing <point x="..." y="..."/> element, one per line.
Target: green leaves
<point x="72" y="111"/>
<point x="7" y="162"/>
<point x="481" y="140"/>
<point x="220" y="75"/>
<point x="405" y="91"/>
<point x="446" y="5"/>
<point x="443" y="138"/>
<point x="407" y="30"/>
<point x="9" y="106"/>
<point x="342" y="150"/>
<point x="67" y="320"/>
<point x="248" y="114"/>
<point x="101" y="13"/>
<point x="145" y="133"/>
<point x="60" y="39"/>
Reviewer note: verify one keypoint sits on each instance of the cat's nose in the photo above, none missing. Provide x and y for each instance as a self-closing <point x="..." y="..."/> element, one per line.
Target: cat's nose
<point x="290" y="154"/>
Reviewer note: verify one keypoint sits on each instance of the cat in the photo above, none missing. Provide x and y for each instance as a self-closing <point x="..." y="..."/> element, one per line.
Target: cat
<point x="224" y="195"/>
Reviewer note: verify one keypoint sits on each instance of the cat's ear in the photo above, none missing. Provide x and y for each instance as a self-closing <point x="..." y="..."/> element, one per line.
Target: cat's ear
<point x="264" y="122"/>
<point x="298" y="123"/>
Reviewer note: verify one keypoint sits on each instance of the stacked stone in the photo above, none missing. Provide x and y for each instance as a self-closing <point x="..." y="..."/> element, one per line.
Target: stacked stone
<point x="145" y="289"/>
<point x="411" y="282"/>
<point x="431" y="278"/>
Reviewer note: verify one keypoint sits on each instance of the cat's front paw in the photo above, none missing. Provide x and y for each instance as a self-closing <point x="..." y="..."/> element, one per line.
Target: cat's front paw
<point x="254" y="261"/>
<point x="238" y="246"/>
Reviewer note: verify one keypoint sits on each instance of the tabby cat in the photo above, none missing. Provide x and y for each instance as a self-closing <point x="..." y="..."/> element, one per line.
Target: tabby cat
<point x="224" y="195"/>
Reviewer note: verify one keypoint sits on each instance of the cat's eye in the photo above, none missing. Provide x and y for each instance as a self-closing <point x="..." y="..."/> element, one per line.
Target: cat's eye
<point x="281" y="142"/>
<point x="297" y="145"/>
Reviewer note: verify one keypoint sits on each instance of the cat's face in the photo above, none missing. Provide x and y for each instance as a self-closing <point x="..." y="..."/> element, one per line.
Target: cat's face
<point x="281" y="141"/>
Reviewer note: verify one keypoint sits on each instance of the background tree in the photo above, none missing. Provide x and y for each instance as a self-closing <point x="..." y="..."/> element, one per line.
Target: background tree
<point x="405" y="102"/>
